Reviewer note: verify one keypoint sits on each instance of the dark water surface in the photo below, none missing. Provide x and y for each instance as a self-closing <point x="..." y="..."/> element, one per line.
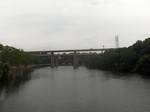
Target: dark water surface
<point x="64" y="89"/>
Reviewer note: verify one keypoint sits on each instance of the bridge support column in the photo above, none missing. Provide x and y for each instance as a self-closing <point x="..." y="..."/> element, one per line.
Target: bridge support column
<point x="56" y="61"/>
<point x="75" y="60"/>
<point x="52" y="60"/>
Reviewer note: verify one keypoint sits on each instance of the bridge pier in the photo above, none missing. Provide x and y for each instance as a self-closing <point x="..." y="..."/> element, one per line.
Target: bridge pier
<point x="55" y="58"/>
<point x="52" y="60"/>
<point x="56" y="61"/>
<point x="75" y="60"/>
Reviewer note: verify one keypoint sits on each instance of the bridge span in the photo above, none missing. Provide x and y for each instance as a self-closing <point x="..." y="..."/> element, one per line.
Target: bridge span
<point x="54" y="58"/>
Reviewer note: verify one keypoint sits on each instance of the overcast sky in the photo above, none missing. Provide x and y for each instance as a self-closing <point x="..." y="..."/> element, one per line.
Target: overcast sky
<point x="69" y="24"/>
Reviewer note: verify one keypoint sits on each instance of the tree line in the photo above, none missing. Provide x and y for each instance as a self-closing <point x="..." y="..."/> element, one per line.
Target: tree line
<point x="10" y="56"/>
<point x="135" y="58"/>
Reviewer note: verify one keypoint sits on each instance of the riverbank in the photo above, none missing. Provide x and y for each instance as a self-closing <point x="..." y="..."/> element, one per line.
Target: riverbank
<point x="132" y="59"/>
<point x="13" y="61"/>
<point x="11" y="72"/>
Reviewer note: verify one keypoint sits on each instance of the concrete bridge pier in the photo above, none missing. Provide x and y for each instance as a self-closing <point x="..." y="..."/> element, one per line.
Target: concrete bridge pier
<point x="52" y="60"/>
<point x="75" y="60"/>
<point x="56" y="61"/>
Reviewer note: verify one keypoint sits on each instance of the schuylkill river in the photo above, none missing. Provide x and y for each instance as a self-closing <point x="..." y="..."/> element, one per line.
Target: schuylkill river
<point x="65" y="89"/>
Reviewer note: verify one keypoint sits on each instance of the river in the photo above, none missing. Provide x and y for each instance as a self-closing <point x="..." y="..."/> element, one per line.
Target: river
<point x="65" y="89"/>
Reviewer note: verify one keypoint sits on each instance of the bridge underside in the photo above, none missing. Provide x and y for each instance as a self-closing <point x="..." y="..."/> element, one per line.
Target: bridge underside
<point x="55" y="60"/>
<point x="60" y="57"/>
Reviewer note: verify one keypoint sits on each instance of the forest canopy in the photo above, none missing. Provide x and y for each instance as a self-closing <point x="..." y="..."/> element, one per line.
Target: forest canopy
<point x="135" y="58"/>
<point x="13" y="56"/>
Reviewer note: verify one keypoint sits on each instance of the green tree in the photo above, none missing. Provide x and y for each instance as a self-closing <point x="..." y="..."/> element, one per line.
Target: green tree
<point x="143" y="65"/>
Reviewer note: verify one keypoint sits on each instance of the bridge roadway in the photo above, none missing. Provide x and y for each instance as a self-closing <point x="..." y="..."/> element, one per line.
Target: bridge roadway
<point x="75" y="53"/>
<point x="77" y="50"/>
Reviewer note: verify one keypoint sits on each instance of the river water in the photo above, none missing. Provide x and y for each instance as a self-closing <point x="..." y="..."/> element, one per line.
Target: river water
<point x="65" y="89"/>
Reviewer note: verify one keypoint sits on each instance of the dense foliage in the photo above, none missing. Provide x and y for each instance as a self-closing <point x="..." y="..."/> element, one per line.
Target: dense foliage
<point x="135" y="58"/>
<point x="10" y="56"/>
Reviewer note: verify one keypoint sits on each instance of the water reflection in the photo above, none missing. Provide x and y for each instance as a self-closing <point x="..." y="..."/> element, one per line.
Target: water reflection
<point x="13" y="85"/>
<point x="64" y="89"/>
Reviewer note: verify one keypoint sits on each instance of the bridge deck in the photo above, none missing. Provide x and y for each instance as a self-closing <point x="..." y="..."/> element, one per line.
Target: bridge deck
<point x="77" y="50"/>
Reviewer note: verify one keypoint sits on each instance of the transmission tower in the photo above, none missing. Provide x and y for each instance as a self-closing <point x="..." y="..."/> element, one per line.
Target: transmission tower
<point x="117" y="41"/>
